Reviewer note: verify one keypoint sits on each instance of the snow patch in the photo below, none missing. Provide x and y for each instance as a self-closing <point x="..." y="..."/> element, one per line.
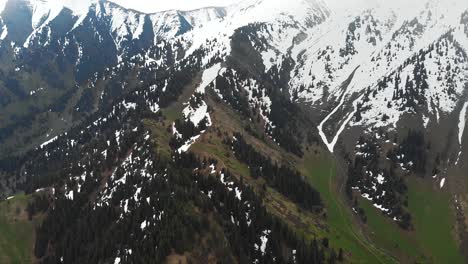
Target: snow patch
<point x="49" y="142"/>
<point x="331" y="145"/>
<point x="143" y="225"/>
<point x="197" y="115"/>
<point x="4" y="32"/>
<point x="442" y="182"/>
<point x="462" y="122"/>
<point x="209" y="75"/>
<point x="264" y="240"/>
<point x="188" y="144"/>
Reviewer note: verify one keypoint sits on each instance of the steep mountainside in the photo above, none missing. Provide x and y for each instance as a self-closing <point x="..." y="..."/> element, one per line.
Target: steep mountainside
<point x="291" y="131"/>
<point x="55" y="59"/>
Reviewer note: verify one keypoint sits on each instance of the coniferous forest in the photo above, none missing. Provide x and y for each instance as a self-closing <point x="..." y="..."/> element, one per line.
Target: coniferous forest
<point x="261" y="131"/>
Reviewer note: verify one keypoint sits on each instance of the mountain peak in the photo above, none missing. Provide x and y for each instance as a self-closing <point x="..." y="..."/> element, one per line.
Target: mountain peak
<point x="263" y="10"/>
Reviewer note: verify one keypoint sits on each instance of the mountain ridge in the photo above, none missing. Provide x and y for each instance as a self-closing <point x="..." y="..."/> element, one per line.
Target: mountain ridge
<point x="376" y="95"/>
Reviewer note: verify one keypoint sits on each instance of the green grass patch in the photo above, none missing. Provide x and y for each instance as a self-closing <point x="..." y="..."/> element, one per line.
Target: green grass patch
<point x="214" y="147"/>
<point x="432" y="240"/>
<point x="160" y="136"/>
<point x="385" y="233"/>
<point x="173" y="113"/>
<point x="434" y="221"/>
<point x="343" y="232"/>
<point x="303" y="222"/>
<point x="16" y="232"/>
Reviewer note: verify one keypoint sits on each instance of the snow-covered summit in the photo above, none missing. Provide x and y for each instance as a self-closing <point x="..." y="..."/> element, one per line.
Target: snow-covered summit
<point x="269" y="10"/>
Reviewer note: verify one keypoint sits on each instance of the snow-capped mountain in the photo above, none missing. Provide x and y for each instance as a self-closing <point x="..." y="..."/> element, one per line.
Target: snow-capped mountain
<point x="377" y="44"/>
<point x="123" y="24"/>
<point x="382" y="85"/>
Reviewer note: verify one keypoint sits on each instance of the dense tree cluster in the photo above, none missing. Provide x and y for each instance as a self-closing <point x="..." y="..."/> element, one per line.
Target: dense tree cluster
<point x="283" y="116"/>
<point x="185" y="131"/>
<point x="165" y="206"/>
<point x="412" y="152"/>
<point x="247" y="220"/>
<point x="174" y="199"/>
<point x="377" y="182"/>
<point x="108" y="117"/>
<point x="285" y="122"/>
<point x="286" y="180"/>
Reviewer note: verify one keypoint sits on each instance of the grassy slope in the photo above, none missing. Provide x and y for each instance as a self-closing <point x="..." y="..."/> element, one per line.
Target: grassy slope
<point x="432" y="241"/>
<point x="304" y="222"/>
<point x="433" y="219"/>
<point x="388" y="235"/>
<point x="321" y="173"/>
<point x="16" y="232"/>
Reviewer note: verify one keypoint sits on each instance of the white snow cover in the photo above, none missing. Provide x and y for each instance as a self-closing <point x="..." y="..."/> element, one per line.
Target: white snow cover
<point x="69" y="195"/>
<point x="188" y="144"/>
<point x="209" y="75"/>
<point x="154" y="108"/>
<point x="442" y="182"/>
<point x="197" y="115"/>
<point x="201" y="111"/>
<point x="199" y="17"/>
<point x="175" y="132"/>
<point x="45" y="11"/>
<point x="250" y="11"/>
<point x="238" y="194"/>
<point x="124" y="23"/>
<point x="462" y="122"/>
<point x="264" y="240"/>
<point x="2" y="5"/>
<point x="129" y="105"/>
<point x="314" y="33"/>
<point x="4" y="32"/>
<point x="331" y="144"/>
<point x="143" y="225"/>
<point x="384" y="39"/>
<point x="380" y="178"/>
<point x="49" y="141"/>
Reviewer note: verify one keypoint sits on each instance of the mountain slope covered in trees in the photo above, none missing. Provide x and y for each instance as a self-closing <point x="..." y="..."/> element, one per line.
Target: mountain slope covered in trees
<point x="262" y="132"/>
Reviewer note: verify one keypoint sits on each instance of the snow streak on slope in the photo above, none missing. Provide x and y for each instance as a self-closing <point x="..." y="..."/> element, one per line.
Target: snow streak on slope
<point x="462" y="123"/>
<point x="331" y="144"/>
<point x="4" y="32"/>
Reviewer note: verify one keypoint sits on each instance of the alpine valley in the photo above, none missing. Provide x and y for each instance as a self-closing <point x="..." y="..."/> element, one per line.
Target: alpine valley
<point x="268" y="131"/>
